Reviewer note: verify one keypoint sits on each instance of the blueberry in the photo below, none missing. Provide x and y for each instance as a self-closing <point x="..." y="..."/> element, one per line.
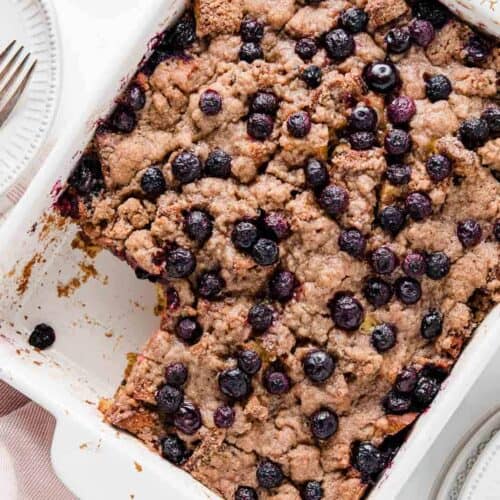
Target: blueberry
<point x="299" y="124"/>
<point x="352" y="242"/>
<point x="432" y="325"/>
<point x="176" y="374"/>
<point x="198" y="226"/>
<point x="311" y="490"/>
<point x="234" y="383"/>
<point x="414" y="265"/>
<point x="401" y="110"/>
<point x="188" y="330"/>
<point x="276" y="382"/>
<point x="251" y="30"/>
<point x="210" y="102"/>
<point x="392" y="219"/>
<point x="354" y="20"/>
<point x="188" y="418"/>
<point x="169" y="400"/>
<point x="318" y="365"/>
<point x="383" y="260"/>
<point x="438" y="167"/>
<point x="180" y="263"/>
<point x="224" y="417"/>
<point x="244" y="235"/>
<point x="186" y="167"/>
<point x="276" y="225"/>
<point x="42" y="337"/>
<point x="396" y="403"/>
<point x="367" y="459"/>
<point x="282" y="286"/>
<point x="381" y="77"/>
<point x="406" y="380"/>
<point x="87" y="177"/>
<point x="347" y="313"/>
<point x="438" y="265"/>
<point x="469" y="232"/>
<point x="438" y="88"/>
<point x="246" y="493"/>
<point x="218" y="164"/>
<point x="269" y="474"/>
<point x="362" y="141"/>
<point x="264" y="102"/>
<point x="408" y="290"/>
<point x="363" y="119"/>
<point x="210" y="285"/>
<point x="153" y="182"/>
<point x="422" y="32"/>
<point x="377" y="292"/>
<point x="425" y="391"/>
<point x="477" y="51"/>
<point x="135" y="97"/>
<point x="249" y="361"/>
<point x="316" y="174"/>
<point x="174" y="449"/>
<point x="383" y="337"/>
<point x="265" y="252"/>
<point x="398" y="174"/>
<point x="312" y="76"/>
<point x="334" y="200"/>
<point x="306" y="48"/>
<point x="261" y="317"/>
<point x="123" y="119"/>
<point x="183" y="34"/>
<point x="260" y="126"/>
<point x="250" y="52"/>
<point x="431" y="11"/>
<point x="398" y="40"/>
<point x="397" y="142"/>
<point x="496" y="230"/>
<point x="491" y="116"/>
<point x="473" y="132"/>
<point x="418" y="206"/>
<point x="339" y="44"/>
<point x="324" y="424"/>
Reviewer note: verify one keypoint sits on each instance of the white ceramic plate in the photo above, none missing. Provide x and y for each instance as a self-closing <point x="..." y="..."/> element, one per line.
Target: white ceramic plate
<point x="484" y="14"/>
<point x="32" y="24"/>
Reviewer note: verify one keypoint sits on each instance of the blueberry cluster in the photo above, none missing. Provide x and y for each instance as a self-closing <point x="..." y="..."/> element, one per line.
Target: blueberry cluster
<point x="263" y="108"/>
<point x="251" y="33"/>
<point x="474" y="132"/>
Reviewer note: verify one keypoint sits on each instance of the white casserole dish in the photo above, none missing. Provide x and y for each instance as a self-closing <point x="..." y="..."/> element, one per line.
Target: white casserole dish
<point x="98" y="325"/>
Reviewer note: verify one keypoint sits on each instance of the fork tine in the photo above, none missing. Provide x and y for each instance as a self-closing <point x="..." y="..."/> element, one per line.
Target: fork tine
<point x="9" y="64"/>
<point x="13" y="77"/>
<point x="7" y="49"/>
<point x="7" y="108"/>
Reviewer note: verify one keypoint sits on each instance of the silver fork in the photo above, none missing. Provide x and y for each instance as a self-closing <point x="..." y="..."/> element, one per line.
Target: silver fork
<point x="13" y="79"/>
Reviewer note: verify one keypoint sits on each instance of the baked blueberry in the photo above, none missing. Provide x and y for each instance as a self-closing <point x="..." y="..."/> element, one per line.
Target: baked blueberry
<point x="316" y="174"/>
<point x="87" y="177"/>
<point x="469" y="232"/>
<point x="246" y="493"/>
<point x="334" y="200"/>
<point x="473" y="132"/>
<point x="381" y="77"/>
<point x="496" y="230"/>
<point x="269" y="474"/>
<point x="169" y="400"/>
<point x="244" y="235"/>
<point x="188" y="330"/>
<point x="123" y="119"/>
<point x="422" y="32"/>
<point x="176" y="374"/>
<point x="318" y="365"/>
<point x="352" y="242"/>
<point x="408" y="290"/>
<point x="431" y="325"/>
<point x="218" y="164"/>
<point x="276" y="382"/>
<point x="250" y="52"/>
<point x="397" y="142"/>
<point x="249" y="361"/>
<point x="188" y="418"/>
<point x="186" y="167"/>
<point x="299" y="124"/>
<point x="265" y="102"/>
<point x="418" y="206"/>
<point x="42" y="337"/>
<point x="406" y="380"/>
<point x="396" y="403"/>
<point x="234" y="383"/>
<point x="261" y="317"/>
<point x="312" y="76"/>
<point x="438" y="167"/>
<point x="260" y="126"/>
<point x="392" y="219"/>
<point x="276" y="225"/>
<point x="437" y="265"/>
<point x="210" y="285"/>
<point x="141" y="274"/>
<point x="311" y="490"/>
<point x="198" y="226"/>
<point x="398" y="40"/>
<point x="367" y="459"/>
<point x="224" y="417"/>
<point x="153" y="182"/>
<point x="183" y="34"/>
<point x="398" y="174"/>
<point x="180" y="263"/>
<point x="438" y="88"/>
<point x="383" y="337"/>
<point x="362" y="119"/>
<point x="68" y="205"/>
<point x="282" y="286"/>
<point x="431" y="11"/>
<point x="491" y="115"/>
<point x="324" y="424"/>
<point x="425" y="391"/>
<point x="339" y="44"/>
<point x="210" y="102"/>
<point x="354" y="20"/>
<point x="346" y="311"/>
<point x="383" y="260"/>
<point x="414" y="265"/>
<point x="251" y="30"/>
<point x="135" y="97"/>
<point x="306" y="48"/>
<point x="477" y="51"/>
<point x="362" y="141"/>
<point x="377" y="292"/>
<point x="265" y="252"/>
<point x="174" y="449"/>
<point x="401" y="110"/>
